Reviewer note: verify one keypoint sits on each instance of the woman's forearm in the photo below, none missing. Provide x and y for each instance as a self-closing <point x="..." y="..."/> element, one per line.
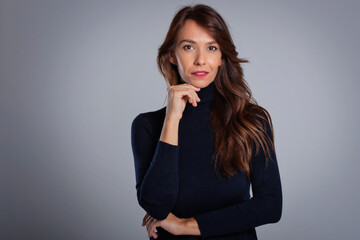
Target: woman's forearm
<point x="170" y="131"/>
<point x="191" y="227"/>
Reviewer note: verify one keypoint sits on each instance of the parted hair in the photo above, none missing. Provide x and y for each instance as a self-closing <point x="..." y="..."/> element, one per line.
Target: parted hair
<point x="241" y="127"/>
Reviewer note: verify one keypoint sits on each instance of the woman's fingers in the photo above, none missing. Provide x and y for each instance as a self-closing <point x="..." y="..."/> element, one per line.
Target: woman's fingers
<point x="189" y="91"/>
<point x="195" y="98"/>
<point x="151" y="224"/>
<point x="149" y="220"/>
<point x="144" y="219"/>
<point x="151" y="230"/>
<point x="150" y="227"/>
<point x="190" y="97"/>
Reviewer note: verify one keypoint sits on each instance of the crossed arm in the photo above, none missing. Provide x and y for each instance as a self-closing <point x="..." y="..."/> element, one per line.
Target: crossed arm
<point x="159" y="168"/>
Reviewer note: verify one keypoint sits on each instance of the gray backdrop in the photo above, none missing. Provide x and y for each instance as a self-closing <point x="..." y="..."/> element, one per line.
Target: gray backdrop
<point x="74" y="74"/>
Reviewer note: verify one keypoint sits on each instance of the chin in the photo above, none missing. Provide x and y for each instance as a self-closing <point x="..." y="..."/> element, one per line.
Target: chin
<point x="201" y="83"/>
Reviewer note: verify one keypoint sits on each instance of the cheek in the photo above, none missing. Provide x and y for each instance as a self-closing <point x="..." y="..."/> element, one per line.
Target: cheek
<point x="216" y="60"/>
<point x="181" y="70"/>
<point x="184" y="63"/>
<point x="180" y="67"/>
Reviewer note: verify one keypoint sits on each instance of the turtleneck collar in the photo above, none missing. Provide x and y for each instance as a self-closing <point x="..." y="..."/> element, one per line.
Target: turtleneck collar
<point x="206" y="94"/>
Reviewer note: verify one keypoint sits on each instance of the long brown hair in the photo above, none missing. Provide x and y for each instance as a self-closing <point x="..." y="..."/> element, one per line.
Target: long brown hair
<point x="239" y="124"/>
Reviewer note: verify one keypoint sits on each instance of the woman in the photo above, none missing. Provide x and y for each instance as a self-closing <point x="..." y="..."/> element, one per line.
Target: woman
<point x="196" y="157"/>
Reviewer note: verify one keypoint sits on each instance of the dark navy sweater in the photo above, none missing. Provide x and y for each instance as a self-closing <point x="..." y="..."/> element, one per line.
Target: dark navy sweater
<point x="182" y="180"/>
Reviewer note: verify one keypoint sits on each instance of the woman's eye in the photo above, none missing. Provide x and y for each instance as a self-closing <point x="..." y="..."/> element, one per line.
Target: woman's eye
<point x="213" y="48"/>
<point x="186" y="47"/>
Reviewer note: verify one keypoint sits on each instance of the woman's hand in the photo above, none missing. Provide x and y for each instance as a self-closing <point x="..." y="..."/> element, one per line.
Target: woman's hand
<point x="171" y="223"/>
<point x="178" y="95"/>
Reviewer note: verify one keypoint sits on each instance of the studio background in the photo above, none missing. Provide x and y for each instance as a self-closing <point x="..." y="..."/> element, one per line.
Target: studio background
<point x="74" y="74"/>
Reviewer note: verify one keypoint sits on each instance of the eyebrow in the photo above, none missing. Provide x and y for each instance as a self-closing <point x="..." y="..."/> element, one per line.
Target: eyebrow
<point x="191" y="41"/>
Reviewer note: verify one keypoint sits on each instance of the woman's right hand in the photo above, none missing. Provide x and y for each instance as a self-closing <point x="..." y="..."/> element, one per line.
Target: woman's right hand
<point x="178" y="95"/>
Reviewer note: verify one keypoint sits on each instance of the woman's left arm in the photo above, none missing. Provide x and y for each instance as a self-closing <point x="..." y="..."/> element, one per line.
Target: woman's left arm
<point x="264" y="207"/>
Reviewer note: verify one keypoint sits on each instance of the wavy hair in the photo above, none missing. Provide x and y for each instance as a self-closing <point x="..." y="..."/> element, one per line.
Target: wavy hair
<point x="239" y="124"/>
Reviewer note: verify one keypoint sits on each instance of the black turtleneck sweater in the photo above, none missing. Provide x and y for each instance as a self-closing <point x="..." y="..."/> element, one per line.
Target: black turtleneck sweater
<point x="181" y="179"/>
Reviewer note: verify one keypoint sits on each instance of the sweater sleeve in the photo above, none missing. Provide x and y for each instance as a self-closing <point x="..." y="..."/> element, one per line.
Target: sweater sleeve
<point x="156" y="169"/>
<point x="264" y="207"/>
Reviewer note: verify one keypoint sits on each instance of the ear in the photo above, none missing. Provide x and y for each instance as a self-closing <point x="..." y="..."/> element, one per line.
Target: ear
<point x="172" y="60"/>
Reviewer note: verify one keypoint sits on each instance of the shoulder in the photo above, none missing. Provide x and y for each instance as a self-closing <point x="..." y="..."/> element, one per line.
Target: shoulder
<point x="151" y="120"/>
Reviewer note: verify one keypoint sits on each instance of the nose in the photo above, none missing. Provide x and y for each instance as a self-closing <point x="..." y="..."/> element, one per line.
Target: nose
<point x="200" y="58"/>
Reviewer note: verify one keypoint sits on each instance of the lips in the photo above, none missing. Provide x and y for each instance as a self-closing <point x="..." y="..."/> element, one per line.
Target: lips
<point x="200" y="74"/>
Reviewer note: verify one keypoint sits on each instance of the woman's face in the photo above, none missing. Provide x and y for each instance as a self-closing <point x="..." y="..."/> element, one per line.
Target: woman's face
<point x="196" y="51"/>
